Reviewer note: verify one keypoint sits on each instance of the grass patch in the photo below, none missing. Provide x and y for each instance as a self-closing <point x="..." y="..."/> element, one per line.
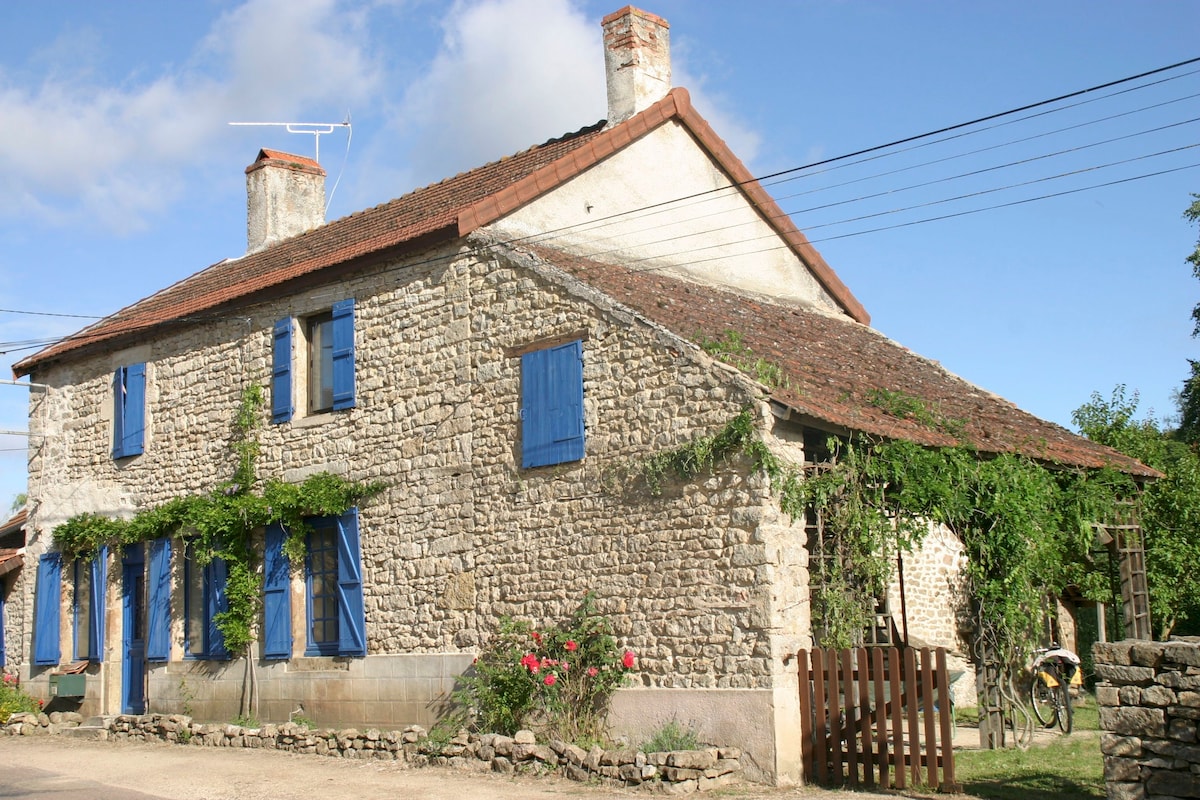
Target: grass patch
<point x="1069" y="767"/>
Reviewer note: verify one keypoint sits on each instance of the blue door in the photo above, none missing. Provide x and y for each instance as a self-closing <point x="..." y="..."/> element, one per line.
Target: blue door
<point x="133" y="662"/>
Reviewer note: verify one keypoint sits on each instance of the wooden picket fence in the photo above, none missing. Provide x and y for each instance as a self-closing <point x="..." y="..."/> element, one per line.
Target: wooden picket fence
<point x="877" y="717"/>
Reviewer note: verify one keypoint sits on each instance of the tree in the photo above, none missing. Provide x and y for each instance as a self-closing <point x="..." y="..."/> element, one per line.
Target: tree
<point x="1192" y="214"/>
<point x="1170" y="505"/>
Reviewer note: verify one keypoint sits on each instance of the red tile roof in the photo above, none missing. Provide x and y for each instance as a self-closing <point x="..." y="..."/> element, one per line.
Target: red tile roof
<point x="453" y="207"/>
<point x="839" y="371"/>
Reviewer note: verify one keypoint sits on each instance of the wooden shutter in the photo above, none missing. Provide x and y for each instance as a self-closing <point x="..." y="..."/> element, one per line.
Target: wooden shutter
<point x="158" y="590"/>
<point x="343" y="354"/>
<point x="217" y="603"/>
<point x="135" y="410"/>
<point x="277" y="596"/>
<point x="552" y="405"/>
<point x="47" y="609"/>
<point x="118" y="447"/>
<point x="281" y="372"/>
<point x="3" y="591"/>
<point x="352" y="624"/>
<point x="95" y="623"/>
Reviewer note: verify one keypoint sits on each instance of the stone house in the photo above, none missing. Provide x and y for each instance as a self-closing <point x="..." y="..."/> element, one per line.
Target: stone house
<point x="490" y="347"/>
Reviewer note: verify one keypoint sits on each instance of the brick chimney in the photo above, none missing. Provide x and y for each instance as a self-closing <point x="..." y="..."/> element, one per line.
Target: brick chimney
<point x="637" y="61"/>
<point x="285" y="196"/>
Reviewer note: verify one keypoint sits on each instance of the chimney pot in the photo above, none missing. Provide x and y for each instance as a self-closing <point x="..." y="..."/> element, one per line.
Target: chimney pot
<point x="637" y="61"/>
<point x="285" y="197"/>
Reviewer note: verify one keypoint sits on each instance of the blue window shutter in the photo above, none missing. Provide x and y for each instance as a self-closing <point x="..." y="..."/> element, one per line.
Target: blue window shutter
<point x="135" y="410"/>
<point x="218" y="603"/>
<point x="552" y="405"/>
<point x="99" y="576"/>
<point x="277" y="596"/>
<point x="281" y="372"/>
<point x="343" y="354"/>
<point x="158" y="601"/>
<point x="352" y="623"/>
<point x="47" y="609"/>
<point x="118" y="449"/>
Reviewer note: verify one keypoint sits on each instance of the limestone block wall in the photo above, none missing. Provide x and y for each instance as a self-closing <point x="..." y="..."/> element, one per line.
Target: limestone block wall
<point x="463" y="535"/>
<point x="1149" y="701"/>
<point x="935" y="603"/>
<point x="12" y="586"/>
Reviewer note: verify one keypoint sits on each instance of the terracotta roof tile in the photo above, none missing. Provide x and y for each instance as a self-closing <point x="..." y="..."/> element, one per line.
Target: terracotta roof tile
<point x="457" y="205"/>
<point x="836" y="368"/>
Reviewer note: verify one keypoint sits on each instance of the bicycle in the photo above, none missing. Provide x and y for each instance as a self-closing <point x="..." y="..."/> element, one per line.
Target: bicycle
<point x="1055" y="670"/>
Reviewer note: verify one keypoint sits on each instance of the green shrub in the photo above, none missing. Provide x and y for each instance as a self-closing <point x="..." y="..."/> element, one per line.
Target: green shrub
<point x="557" y="680"/>
<point x="672" y="736"/>
<point x="13" y="698"/>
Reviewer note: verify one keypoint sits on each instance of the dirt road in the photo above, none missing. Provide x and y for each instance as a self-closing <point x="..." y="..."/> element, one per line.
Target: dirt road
<point x="45" y="767"/>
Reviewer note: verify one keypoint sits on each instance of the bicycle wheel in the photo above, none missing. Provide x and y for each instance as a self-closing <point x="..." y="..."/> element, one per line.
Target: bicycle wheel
<point x="1066" y="713"/>
<point x="1042" y="698"/>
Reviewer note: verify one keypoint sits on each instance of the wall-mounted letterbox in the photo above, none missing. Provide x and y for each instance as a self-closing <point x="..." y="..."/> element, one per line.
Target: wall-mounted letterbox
<point x="67" y="685"/>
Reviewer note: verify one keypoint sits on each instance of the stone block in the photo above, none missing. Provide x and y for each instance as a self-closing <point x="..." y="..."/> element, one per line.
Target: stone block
<point x="1157" y="696"/>
<point x="1182" y="653"/>
<point x="1178" y="784"/>
<point x="1146" y="654"/>
<point x="693" y="759"/>
<point x="1107" y="695"/>
<point x="1141" y="722"/>
<point x="1115" y="745"/>
<point x="1124" y="676"/>
<point x="1125" y="791"/>
<point x="1117" y="653"/>
<point x="1121" y="769"/>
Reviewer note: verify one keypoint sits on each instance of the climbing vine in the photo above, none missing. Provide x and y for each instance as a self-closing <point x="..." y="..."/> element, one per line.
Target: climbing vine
<point x="1027" y="528"/>
<point x="220" y="524"/>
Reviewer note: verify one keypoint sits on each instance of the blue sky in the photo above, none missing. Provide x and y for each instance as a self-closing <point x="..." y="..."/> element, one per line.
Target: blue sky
<point x="120" y="175"/>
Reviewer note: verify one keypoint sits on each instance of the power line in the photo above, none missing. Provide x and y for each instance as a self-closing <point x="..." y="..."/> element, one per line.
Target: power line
<point x="91" y="333"/>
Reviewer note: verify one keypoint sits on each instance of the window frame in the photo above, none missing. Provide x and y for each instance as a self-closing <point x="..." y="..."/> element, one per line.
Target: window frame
<point x="347" y="591"/>
<point x="87" y="607"/>
<point x="306" y="369"/>
<point x="212" y="600"/>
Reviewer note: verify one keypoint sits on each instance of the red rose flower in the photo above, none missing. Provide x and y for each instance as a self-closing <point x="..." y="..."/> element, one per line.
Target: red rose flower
<point x="550" y="679"/>
<point x="592" y="672"/>
<point x="627" y="660"/>
<point x="571" y="645"/>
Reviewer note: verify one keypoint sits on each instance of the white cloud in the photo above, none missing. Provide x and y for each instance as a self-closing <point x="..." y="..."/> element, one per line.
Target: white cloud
<point x="76" y="147"/>
<point x="510" y="74"/>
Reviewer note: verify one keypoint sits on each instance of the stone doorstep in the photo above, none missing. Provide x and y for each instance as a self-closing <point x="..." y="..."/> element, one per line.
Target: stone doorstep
<point x="97" y="732"/>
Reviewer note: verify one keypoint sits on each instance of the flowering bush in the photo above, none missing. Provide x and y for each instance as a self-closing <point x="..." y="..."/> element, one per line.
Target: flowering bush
<point x="556" y="679"/>
<point x="14" y="699"/>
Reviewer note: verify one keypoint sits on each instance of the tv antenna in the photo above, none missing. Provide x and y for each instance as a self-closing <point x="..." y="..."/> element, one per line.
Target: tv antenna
<point x="316" y="129"/>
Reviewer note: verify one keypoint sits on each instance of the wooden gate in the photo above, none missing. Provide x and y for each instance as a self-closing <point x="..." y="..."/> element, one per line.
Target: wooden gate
<point x="877" y="717"/>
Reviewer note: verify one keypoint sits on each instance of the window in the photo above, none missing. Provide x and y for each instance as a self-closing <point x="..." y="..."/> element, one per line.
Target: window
<point x="129" y="410"/>
<point x="336" y="621"/>
<point x="552" y="405"/>
<point x="203" y="598"/>
<point x="46" y="609"/>
<point x="328" y="364"/>
<point x="88" y="606"/>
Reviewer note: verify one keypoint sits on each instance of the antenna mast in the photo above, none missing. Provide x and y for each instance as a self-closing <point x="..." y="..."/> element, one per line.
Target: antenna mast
<point x="317" y="129"/>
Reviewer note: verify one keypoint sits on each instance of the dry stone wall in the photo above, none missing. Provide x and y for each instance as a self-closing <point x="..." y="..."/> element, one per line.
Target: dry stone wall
<point x="674" y="772"/>
<point x="1149" y="701"/>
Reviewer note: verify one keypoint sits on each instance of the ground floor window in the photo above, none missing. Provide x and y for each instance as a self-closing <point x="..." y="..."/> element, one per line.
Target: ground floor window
<point x="203" y="598"/>
<point x="335" y="618"/>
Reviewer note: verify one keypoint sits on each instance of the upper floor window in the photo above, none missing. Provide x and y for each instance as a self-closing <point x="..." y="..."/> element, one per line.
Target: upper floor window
<point x="552" y="405"/>
<point x="328" y="363"/>
<point x="129" y="410"/>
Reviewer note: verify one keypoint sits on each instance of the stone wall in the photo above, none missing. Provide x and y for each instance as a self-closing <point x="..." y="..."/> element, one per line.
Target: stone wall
<point x="704" y="583"/>
<point x="675" y="772"/>
<point x="1149" y="699"/>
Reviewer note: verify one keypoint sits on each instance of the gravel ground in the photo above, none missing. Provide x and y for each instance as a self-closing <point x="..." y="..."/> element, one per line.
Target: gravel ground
<point x="37" y="767"/>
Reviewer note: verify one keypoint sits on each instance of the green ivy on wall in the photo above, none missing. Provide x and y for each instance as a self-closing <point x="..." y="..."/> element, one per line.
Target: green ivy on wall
<point x="221" y="523"/>
<point x="1026" y="527"/>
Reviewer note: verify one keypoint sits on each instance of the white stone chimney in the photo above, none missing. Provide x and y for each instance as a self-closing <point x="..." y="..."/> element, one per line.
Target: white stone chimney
<point x="637" y="61"/>
<point x="285" y="196"/>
